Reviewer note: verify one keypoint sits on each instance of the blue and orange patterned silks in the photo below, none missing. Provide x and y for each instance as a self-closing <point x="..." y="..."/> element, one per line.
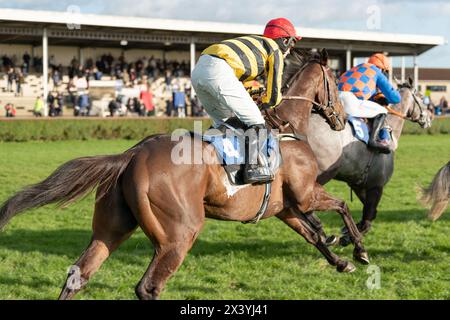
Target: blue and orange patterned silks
<point x="365" y="80"/>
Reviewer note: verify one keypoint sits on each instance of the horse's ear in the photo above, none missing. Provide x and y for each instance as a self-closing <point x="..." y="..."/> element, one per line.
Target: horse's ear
<point x="411" y="82"/>
<point x="324" y="57"/>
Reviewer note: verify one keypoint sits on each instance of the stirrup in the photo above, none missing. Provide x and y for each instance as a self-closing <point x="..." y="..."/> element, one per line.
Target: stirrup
<point x="255" y="175"/>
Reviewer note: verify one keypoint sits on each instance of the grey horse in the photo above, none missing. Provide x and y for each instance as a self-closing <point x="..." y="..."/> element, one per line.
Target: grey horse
<point x="342" y="157"/>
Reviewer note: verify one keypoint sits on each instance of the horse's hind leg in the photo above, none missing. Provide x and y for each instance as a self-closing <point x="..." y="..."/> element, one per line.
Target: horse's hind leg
<point x="437" y="209"/>
<point x="113" y="223"/>
<point x="299" y="224"/>
<point x="172" y="230"/>
<point x="166" y="260"/>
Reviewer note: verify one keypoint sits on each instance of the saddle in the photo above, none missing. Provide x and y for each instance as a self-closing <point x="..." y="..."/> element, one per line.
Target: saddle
<point x="370" y="131"/>
<point x="229" y="142"/>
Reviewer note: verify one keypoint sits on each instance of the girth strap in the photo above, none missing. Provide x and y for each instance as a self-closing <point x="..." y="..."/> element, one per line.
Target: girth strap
<point x="264" y="204"/>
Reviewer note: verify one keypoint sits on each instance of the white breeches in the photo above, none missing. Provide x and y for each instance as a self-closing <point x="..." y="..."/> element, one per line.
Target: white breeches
<point x="360" y="108"/>
<point x="222" y="94"/>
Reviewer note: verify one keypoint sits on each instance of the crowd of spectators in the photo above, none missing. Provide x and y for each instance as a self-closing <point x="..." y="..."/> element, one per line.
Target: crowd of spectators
<point x="156" y="79"/>
<point x="437" y="109"/>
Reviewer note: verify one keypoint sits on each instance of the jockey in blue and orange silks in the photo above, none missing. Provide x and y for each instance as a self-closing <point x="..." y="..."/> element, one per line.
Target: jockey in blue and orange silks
<point x="358" y="87"/>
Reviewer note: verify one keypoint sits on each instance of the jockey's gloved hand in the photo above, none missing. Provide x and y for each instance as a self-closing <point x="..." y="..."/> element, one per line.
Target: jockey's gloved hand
<point x="380" y="99"/>
<point x="257" y="127"/>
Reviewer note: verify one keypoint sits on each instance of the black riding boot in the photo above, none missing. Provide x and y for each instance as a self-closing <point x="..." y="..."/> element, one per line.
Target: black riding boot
<point x="256" y="171"/>
<point x="374" y="143"/>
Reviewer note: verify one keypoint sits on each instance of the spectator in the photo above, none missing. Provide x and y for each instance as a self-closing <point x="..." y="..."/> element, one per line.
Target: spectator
<point x="146" y="97"/>
<point x="113" y="107"/>
<point x="179" y="101"/>
<point x="134" y="105"/>
<point x="51" y="105"/>
<point x="84" y="104"/>
<point x="126" y="78"/>
<point x="11" y="75"/>
<point x="26" y="63"/>
<point x="52" y="62"/>
<point x="443" y="104"/>
<point x="59" y="104"/>
<point x="19" y="81"/>
<point x="97" y="74"/>
<point x="38" y="106"/>
<point x="56" y="77"/>
<point x="10" y="110"/>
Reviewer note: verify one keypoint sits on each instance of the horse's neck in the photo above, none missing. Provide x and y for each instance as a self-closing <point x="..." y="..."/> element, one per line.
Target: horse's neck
<point x="397" y="123"/>
<point x="298" y="112"/>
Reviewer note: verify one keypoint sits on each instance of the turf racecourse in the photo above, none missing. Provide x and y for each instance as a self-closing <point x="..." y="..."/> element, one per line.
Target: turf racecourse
<point x="230" y="260"/>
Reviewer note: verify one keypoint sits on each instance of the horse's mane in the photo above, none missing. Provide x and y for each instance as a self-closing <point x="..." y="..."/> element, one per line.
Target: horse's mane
<point x="296" y="61"/>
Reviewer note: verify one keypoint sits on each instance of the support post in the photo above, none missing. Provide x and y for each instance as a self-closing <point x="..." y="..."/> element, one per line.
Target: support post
<point x="403" y="78"/>
<point x="348" y="58"/>
<point x="192" y="47"/>
<point x="391" y="70"/>
<point x="416" y="72"/>
<point x="45" y="69"/>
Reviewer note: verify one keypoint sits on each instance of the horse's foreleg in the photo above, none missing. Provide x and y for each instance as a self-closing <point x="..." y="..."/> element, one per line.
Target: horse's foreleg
<point x="314" y="222"/>
<point x="323" y="201"/>
<point x="373" y="197"/>
<point x="370" y="199"/>
<point x="113" y="223"/>
<point x="296" y="222"/>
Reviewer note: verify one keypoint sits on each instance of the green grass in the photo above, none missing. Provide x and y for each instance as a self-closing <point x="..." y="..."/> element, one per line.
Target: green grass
<point x="229" y="260"/>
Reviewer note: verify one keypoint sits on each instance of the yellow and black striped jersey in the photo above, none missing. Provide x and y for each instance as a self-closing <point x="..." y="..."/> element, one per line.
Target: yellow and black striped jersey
<point x="250" y="57"/>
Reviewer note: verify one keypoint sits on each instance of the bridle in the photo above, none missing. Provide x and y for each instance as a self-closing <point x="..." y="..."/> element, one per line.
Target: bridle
<point x="410" y="114"/>
<point x="327" y="109"/>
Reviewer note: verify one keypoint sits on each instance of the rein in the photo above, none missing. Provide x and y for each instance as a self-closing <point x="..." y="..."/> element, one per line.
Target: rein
<point x="400" y="115"/>
<point x="327" y="109"/>
<point x="395" y="112"/>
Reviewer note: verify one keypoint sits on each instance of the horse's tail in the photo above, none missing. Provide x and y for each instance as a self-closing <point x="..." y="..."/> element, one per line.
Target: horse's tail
<point x="438" y="192"/>
<point x="68" y="183"/>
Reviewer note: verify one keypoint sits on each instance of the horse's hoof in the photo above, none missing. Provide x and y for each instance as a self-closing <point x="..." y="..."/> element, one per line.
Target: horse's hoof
<point x="331" y="241"/>
<point x="345" y="241"/>
<point x="346" y="267"/>
<point x="362" y="257"/>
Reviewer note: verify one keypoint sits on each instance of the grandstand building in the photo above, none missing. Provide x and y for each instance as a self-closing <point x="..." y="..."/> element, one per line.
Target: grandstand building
<point x="63" y="36"/>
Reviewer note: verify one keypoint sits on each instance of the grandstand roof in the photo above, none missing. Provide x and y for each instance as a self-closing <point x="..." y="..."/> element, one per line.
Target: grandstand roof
<point x="23" y="24"/>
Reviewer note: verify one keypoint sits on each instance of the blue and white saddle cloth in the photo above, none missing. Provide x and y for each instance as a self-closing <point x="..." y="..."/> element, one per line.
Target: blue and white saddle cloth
<point x="230" y="151"/>
<point x="361" y="130"/>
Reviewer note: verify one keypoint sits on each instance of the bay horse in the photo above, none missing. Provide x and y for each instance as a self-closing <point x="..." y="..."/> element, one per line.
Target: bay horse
<point x="169" y="202"/>
<point x="342" y="157"/>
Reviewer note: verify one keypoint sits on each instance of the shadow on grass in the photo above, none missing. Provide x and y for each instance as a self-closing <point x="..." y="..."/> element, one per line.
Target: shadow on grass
<point x="72" y="242"/>
<point x="408" y="215"/>
<point x="418" y="215"/>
